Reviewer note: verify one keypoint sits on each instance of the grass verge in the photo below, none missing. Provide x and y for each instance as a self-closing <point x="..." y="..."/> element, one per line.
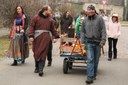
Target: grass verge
<point x="4" y="45"/>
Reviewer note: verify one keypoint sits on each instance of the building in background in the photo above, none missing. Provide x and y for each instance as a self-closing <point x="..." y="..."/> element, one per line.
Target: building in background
<point x="109" y="6"/>
<point x="125" y="10"/>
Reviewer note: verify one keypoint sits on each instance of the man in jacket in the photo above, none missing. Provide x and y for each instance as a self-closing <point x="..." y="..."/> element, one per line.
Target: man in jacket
<point x="93" y="34"/>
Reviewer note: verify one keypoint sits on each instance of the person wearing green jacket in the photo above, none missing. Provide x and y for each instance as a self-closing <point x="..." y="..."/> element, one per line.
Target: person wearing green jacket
<point x="78" y="24"/>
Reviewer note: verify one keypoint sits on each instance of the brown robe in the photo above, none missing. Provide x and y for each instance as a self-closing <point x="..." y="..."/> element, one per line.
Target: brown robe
<point x="40" y="44"/>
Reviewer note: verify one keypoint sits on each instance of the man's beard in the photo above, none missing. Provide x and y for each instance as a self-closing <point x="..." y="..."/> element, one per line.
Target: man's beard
<point x="91" y="14"/>
<point x="47" y="14"/>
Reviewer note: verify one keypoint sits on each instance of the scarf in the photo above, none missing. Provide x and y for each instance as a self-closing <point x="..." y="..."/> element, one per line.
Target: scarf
<point x="13" y="25"/>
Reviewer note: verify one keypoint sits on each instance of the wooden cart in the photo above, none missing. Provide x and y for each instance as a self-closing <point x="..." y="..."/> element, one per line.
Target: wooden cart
<point x="73" y="52"/>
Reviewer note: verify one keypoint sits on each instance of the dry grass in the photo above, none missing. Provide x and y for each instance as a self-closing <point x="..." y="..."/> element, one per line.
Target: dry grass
<point x="4" y="45"/>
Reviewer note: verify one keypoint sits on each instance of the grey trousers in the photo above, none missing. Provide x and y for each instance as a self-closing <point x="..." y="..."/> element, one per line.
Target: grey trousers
<point x="39" y="65"/>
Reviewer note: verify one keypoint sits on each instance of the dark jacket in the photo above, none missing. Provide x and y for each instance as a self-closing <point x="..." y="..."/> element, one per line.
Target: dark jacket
<point x="26" y="23"/>
<point x="66" y="22"/>
<point x="93" y="29"/>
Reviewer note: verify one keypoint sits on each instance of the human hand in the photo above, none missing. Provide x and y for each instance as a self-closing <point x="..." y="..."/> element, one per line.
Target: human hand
<point x="101" y="45"/>
<point x="31" y="40"/>
<point x="76" y="36"/>
<point x="22" y="31"/>
<point x="69" y="27"/>
<point x="54" y="40"/>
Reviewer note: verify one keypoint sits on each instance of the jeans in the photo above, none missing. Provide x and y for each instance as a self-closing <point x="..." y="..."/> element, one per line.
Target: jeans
<point x="112" y="42"/>
<point x="93" y="54"/>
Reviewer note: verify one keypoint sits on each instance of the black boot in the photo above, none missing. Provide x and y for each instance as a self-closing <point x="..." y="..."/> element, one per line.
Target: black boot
<point x="23" y="61"/>
<point x="89" y="81"/>
<point x="109" y="59"/>
<point x="49" y="63"/>
<point x="41" y="67"/>
<point x="114" y="57"/>
<point x="110" y="56"/>
<point x="36" y="70"/>
<point x="41" y="73"/>
<point x="36" y="67"/>
<point x="115" y="54"/>
<point x="14" y="63"/>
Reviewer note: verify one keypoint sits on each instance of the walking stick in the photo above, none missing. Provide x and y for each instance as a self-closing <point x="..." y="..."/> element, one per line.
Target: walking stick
<point x="102" y="50"/>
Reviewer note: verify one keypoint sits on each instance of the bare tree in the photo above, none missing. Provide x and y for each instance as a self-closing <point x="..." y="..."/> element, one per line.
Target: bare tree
<point x="31" y="7"/>
<point x="7" y="7"/>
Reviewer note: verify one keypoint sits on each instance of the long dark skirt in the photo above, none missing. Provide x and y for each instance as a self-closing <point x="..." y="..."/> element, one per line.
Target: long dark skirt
<point x="18" y="48"/>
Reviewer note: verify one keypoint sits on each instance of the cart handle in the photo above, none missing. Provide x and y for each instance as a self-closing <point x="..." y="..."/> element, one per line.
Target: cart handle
<point x="75" y="45"/>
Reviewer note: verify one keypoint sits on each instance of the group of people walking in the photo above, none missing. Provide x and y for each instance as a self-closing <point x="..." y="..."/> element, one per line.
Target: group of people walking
<point x="40" y="34"/>
<point x="90" y="27"/>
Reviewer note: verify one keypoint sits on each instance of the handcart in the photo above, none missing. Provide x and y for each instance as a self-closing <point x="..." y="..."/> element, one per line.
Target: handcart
<point x="73" y="52"/>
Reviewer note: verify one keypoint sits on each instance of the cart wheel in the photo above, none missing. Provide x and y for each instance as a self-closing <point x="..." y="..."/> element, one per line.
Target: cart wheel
<point x="65" y="66"/>
<point x="70" y="65"/>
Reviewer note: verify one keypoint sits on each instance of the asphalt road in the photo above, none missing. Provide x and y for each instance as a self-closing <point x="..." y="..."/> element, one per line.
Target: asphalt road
<point x="109" y="73"/>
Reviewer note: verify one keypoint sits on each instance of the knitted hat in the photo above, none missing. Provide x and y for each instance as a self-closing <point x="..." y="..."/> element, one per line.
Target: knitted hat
<point x="90" y="7"/>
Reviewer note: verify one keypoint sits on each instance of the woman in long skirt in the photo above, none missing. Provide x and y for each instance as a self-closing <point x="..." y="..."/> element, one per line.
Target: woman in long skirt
<point x="18" y="49"/>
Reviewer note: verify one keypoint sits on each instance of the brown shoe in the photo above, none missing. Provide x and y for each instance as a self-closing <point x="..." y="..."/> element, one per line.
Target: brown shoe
<point x="89" y="81"/>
